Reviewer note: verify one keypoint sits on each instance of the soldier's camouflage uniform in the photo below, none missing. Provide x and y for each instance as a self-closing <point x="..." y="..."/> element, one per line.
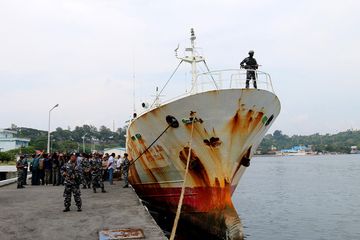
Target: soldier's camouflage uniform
<point x="25" y="169"/>
<point x="20" y="173"/>
<point x="86" y="173"/>
<point x="126" y="165"/>
<point x="72" y="180"/>
<point x="97" y="174"/>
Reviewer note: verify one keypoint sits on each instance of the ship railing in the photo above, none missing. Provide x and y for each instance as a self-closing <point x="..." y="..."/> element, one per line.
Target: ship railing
<point x="222" y="79"/>
<point x="229" y="79"/>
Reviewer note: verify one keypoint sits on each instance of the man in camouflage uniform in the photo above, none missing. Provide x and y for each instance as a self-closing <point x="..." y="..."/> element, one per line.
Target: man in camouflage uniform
<point x="20" y="172"/>
<point x="86" y="174"/>
<point x="96" y="173"/>
<point x="72" y="179"/>
<point x="25" y="170"/>
<point x="126" y="165"/>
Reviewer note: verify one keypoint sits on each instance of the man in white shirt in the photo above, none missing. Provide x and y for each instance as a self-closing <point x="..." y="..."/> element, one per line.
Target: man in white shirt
<point x="111" y="167"/>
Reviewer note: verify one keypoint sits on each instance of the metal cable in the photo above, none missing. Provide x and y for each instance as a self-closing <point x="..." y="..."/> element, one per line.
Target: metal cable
<point x="166" y="83"/>
<point x="132" y="162"/>
<point x="217" y="88"/>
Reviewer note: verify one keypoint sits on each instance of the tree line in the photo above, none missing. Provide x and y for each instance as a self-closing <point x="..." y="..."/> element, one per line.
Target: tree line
<point x="340" y="142"/>
<point x="67" y="140"/>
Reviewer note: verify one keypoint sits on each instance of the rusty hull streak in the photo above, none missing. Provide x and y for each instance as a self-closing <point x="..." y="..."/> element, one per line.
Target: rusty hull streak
<point x="246" y="155"/>
<point x="196" y="168"/>
<point x="242" y="124"/>
<point x="213" y="153"/>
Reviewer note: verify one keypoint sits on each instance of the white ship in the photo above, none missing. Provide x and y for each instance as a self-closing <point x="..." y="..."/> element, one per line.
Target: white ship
<point x="218" y="125"/>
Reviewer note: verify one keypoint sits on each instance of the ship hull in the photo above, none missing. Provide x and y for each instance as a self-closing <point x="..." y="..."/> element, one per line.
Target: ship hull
<point x="228" y="127"/>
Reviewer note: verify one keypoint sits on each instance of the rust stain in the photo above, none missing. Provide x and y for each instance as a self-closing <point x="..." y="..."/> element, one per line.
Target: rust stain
<point x="134" y="175"/>
<point x="217" y="183"/>
<point x="247" y="121"/>
<point x="148" y="156"/>
<point x="196" y="168"/>
<point x="244" y="122"/>
<point x="235" y="122"/>
<point x="212" y="142"/>
<point x="244" y="158"/>
<point x="258" y="118"/>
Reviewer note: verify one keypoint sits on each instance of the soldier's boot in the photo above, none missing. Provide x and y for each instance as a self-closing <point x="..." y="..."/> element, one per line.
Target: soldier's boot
<point x="255" y="85"/>
<point x="247" y="83"/>
<point x="103" y="190"/>
<point x="89" y="186"/>
<point x="67" y="209"/>
<point x="79" y="209"/>
<point x="94" y="190"/>
<point x="84" y="187"/>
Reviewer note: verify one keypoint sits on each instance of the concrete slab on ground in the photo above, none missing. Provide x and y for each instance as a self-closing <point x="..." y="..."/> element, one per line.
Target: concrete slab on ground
<point x="36" y="213"/>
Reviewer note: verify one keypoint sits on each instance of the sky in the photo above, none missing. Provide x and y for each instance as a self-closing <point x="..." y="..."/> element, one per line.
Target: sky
<point x="84" y="55"/>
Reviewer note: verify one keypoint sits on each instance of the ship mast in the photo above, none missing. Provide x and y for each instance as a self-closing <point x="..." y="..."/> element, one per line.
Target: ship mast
<point x="193" y="59"/>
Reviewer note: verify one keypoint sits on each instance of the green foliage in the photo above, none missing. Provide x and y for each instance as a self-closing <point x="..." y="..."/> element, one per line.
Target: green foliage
<point x="340" y="142"/>
<point x="27" y="150"/>
<point x="65" y="140"/>
<point x="39" y="143"/>
<point x="11" y="154"/>
<point x="5" y="157"/>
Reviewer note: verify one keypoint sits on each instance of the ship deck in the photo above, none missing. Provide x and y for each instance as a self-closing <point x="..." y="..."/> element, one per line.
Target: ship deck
<point x="36" y="213"/>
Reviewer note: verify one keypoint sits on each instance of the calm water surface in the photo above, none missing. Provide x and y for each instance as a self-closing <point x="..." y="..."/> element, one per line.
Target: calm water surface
<point x="310" y="197"/>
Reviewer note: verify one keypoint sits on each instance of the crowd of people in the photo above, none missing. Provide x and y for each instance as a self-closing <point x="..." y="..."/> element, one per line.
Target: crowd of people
<point x="72" y="171"/>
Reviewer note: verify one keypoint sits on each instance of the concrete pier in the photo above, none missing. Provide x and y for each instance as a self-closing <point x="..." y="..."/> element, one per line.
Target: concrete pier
<point x="36" y="213"/>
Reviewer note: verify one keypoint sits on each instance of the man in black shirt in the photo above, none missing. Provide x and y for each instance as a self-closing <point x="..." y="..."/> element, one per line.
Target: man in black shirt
<point x="250" y="64"/>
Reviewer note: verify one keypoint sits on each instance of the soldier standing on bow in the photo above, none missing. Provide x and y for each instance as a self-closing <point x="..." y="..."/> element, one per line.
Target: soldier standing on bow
<point x="251" y="65"/>
<point x="72" y="179"/>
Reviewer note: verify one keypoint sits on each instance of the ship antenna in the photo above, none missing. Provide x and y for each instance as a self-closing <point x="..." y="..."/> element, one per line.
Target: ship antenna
<point x="193" y="59"/>
<point x="193" y="63"/>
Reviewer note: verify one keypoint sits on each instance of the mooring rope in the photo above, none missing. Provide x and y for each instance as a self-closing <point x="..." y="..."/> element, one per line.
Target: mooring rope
<point x="177" y="216"/>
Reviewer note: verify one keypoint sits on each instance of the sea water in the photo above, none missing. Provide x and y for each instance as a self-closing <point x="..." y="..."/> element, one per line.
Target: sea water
<point x="304" y="197"/>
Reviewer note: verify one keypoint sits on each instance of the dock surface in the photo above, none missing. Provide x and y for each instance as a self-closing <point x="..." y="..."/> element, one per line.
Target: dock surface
<point x="36" y="213"/>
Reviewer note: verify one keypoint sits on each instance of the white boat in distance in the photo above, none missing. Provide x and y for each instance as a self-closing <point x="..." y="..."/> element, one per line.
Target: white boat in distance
<point x="218" y="125"/>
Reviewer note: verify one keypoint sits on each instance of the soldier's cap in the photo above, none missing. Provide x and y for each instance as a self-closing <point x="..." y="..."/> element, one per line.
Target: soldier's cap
<point x="251" y="52"/>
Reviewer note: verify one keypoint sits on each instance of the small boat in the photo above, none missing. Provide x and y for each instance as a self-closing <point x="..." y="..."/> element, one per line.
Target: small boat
<point x="217" y="127"/>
